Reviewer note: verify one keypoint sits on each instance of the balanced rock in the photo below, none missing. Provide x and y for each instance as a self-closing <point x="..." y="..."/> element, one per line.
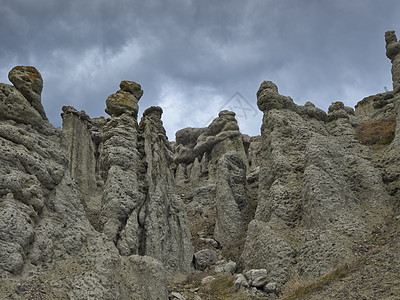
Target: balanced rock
<point x="131" y="87"/>
<point x="124" y="100"/>
<point x="29" y="82"/>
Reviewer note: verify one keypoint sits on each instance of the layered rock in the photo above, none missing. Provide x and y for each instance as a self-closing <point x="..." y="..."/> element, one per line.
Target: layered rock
<point x="212" y="165"/>
<point x="48" y="248"/>
<point x="318" y="197"/>
<point x="392" y="52"/>
<point x="83" y="152"/>
<point x="123" y="171"/>
<point x="162" y="216"/>
<point x="30" y="83"/>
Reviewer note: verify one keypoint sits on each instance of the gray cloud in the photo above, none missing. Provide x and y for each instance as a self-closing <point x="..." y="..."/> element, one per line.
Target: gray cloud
<point x="192" y="56"/>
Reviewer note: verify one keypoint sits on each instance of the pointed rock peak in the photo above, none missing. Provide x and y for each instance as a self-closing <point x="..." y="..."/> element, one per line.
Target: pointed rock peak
<point x="124" y="100"/>
<point x="132" y="87"/>
<point x="269" y="98"/>
<point x="155" y="111"/>
<point x="267" y="85"/>
<point x="392" y="45"/>
<point x="29" y="82"/>
<point x="390" y="37"/>
<point x="226" y="113"/>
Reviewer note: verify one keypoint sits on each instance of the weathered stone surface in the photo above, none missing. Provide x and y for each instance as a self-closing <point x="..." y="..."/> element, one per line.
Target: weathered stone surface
<point x="131" y="87"/>
<point x="268" y="98"/>
<point x="392" y="52"/>
<point x="125" y="100"/>
<point x="376" y="107"/>
<point x="14" y="106"/>
<point x="270" y="287"/>
<point x="143" y="214"/>
<point x="257" y="277"/>
<point x="207" y="280"/>
<point x="240" y="282"/>
<point x="82" y="157"/>
<point x="29" y="82"/>
<point x="204" y="259"/>
<point x="47" y="244"/>
<point x="312" y="179"/>
<point x="231" y="199"/>
<point x="166" y="229"/>
<point x="266" y="248"/>
<point x="107" y="219"/>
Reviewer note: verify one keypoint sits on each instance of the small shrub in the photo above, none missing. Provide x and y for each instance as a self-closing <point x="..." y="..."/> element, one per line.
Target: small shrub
<point x="376" y="132"/>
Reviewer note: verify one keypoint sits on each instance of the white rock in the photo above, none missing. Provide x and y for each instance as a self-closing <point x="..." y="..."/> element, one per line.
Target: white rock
<point x="178" y="296"/>
<point x="207" y="280"/>
<point x="240" y="282"/>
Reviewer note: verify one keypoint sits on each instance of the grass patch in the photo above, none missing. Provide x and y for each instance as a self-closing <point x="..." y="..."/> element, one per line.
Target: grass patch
<point x="376" y="132"/>
<point x="300" y="288"/>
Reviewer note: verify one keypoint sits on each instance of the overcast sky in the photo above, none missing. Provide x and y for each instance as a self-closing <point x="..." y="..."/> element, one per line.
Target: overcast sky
<point x="195" y="58"/>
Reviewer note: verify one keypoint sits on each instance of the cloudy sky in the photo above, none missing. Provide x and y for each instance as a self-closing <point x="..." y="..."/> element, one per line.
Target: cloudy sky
<point x="195" y="58"/>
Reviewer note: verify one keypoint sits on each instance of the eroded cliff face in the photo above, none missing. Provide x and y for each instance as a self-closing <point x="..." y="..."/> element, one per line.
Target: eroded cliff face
<point x="109" y="208"/>
<point x="48" y="248"/>
<point x="320" y="195"/>
<point x="211" y="169"/>
<point x="125" y="169"/>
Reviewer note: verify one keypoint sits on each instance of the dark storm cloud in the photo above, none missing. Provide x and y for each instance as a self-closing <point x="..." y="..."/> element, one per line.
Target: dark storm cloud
<point x="192" y="56"/>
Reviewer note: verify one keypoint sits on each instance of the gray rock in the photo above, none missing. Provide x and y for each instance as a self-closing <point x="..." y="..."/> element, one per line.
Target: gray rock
<point x="204" y="259"/>
<point x="77" y="127"/>
<point x="231" y="199"/>
<point x="175" y="295"/>
<point x="311" y="189"/>
<point x="46" y="240"/>
<point x="165" y="221"/>
<point x="268" y="98"/>
<point x="29" y="82"/>
<point x="207" y="280"/>
<point x="257" y="277"/>
<point x="270" y="287"/>
<point x="14" y="106"/>
<point x="210" y="242"/>
<point x="230" y="267"/>
<point x="392" y="52"/>
<point x="132" y="87"/>
<point x="240" y="282"/>
<point x="124" y="100"/>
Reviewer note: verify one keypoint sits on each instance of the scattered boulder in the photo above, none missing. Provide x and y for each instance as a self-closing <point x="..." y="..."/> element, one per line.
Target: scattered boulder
<point x="257" y="277"/>
<point x="207" y="280"/>
<point x="240" y="282"/>
<point x="270" y="287"/>
<point x="125" y="100"/>
<point x="204" y="259"/>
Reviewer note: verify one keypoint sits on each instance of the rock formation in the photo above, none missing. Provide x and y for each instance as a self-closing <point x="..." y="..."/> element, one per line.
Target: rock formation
<point x="61" y="190"/>
<point x="318" y="196"/>
<point x="48" y="248"/>
<point x="392" y="52"/>
<point x="110" y="209"/>
<point x="211" y="170"/>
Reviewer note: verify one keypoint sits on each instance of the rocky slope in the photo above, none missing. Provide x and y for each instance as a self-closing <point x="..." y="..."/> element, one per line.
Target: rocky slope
<point x="110" y="209"/>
